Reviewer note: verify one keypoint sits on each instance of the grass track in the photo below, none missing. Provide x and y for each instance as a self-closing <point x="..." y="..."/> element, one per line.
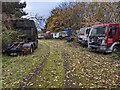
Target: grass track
<point x="65" y="66"/>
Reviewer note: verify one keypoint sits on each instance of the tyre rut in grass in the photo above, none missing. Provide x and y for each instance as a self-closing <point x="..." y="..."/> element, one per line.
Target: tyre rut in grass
<point x="52" y="75"/>
<point x="68" y="77"/>
<point x="25" y="83"/>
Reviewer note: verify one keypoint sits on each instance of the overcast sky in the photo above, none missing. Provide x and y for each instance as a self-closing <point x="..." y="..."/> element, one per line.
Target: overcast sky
<point x="40" y="8"/>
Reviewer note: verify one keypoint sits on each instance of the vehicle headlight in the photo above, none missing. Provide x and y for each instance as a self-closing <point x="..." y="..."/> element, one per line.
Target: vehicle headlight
<point x="103" y="42"/>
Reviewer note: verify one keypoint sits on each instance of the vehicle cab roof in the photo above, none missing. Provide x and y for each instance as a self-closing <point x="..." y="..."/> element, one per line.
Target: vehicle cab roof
<point x="116" y="24"/>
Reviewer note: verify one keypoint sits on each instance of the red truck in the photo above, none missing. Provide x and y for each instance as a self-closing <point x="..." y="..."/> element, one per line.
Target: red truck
<point x="48" y="35"/>
<point x="105" y="38"/>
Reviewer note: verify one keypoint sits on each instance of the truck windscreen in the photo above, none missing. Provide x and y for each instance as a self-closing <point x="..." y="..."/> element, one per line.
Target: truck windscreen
<point x="99" y="31"/>
<point x="26" y="30"/>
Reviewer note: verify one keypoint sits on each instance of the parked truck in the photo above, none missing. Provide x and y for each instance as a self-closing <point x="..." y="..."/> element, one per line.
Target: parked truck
<point x="27" y="41"/>
<point x="41" y="36"/>
<point x="47" y="35"/>
<point x="105" y="38"/>
<point x="57" y="35"/>
<point x="83" y="36"/>
<point x="64" y="34"/>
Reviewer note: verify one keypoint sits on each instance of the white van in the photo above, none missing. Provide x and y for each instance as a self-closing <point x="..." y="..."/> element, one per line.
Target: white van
<point x="56" y="35"/>
<point x="83" y="36"/>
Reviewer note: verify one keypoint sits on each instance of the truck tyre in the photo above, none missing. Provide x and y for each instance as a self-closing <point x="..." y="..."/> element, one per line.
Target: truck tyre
<point x="115" y="49"/>
<point x="36" y="45"/>
<point x="31" y="50"/>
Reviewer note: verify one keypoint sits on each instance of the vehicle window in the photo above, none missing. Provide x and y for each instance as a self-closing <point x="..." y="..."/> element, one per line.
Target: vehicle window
<point x="87" y="31"/>
<point x="112" y="30"/>
<point x="41" y="34"/>
<point x="99" y="31"/>
<point x="82" y="31"/>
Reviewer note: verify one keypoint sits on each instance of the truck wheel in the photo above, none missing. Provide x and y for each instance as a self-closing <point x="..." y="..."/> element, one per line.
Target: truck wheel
<point x="36" y="45"/>
<point x="31" y="50"/>
<point x="115" y="49"/>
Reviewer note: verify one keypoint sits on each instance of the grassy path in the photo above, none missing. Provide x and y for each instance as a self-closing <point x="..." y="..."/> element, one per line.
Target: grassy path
<point x="57" y="64"/>
<point x="16" y="69"/>
<point x="52" y="75"/>
<point x="26" y="81"/>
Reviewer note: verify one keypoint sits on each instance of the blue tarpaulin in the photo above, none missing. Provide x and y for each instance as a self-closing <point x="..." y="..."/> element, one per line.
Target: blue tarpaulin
<point x="68" y="31"/>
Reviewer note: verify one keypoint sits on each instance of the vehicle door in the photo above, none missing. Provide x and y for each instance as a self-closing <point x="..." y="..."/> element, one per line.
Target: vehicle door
<point x="112" y="34"/>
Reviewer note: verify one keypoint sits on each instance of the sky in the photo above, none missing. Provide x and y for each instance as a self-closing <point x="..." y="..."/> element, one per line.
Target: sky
<point x="40" y="8"/>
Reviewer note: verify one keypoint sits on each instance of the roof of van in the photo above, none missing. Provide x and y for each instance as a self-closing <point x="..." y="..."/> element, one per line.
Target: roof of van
<point x="85" y="28"/>
<point x="117" y="24"/>
<point x="48" y="31"/>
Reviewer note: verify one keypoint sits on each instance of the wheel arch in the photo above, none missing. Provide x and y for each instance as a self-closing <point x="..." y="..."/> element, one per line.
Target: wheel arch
<point x="115" y="44"/>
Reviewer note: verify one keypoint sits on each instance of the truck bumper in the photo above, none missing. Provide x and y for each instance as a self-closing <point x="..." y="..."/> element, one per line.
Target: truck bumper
<point x="100" y="48"/>
<point x="83" y="42"/>
<point x="14" y="52"/>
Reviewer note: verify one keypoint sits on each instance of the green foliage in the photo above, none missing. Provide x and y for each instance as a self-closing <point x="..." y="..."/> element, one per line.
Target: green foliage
<point x="8" y="36"/>
<point x="14" y="8"/>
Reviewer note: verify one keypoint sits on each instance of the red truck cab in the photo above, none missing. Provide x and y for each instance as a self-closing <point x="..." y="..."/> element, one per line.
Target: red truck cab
<point x="105" y="37"/>
<point x="48" y="35"/>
